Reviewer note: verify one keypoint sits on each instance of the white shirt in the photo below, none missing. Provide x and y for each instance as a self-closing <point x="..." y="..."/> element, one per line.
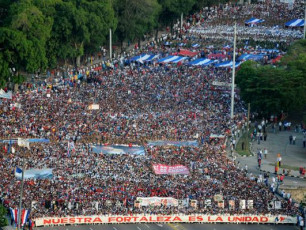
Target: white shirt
<point x="265" y="151"/>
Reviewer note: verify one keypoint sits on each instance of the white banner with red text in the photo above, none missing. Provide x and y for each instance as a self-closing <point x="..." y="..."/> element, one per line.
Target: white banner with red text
<point x="281" y="219"/>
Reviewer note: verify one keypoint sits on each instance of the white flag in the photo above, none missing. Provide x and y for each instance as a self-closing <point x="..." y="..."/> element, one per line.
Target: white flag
<point x="7" y="95"/>
<point x="23" y="143"/>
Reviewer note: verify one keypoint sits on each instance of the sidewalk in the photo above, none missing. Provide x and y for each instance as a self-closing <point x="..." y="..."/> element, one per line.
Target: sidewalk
<point x="293" y="156"/>
<point x="9" y="228"/>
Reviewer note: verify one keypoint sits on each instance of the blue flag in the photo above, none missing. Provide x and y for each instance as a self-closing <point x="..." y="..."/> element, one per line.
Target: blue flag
<point x="18" y="170"/>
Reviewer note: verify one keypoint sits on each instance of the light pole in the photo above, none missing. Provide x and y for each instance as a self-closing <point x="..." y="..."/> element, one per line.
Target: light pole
<point x="304" y="19"/>
<point x="110" y="45"/>
<point x="233" y="74"/>
<point x="181" y="23"/>
<point x="21" y="194"/>
<point x="21" y="143"/>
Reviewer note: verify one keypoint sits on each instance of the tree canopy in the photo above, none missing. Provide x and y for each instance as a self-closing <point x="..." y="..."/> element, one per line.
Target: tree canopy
<point x="36" y="35"/>
<point x="134" y="19"/>
<point x="272" y="89"/>
<point x="3" y="220"/>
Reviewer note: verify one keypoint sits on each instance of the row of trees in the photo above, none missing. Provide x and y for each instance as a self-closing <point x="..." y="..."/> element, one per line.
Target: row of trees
<point x="35" y="34"/>
<point x="271" y="89"/>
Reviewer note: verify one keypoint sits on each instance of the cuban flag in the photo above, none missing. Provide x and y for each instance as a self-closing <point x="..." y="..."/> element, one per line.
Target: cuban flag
<point x="71" y="148"/>
<point x="18" y="173"/>
<point x="24" y="215"/>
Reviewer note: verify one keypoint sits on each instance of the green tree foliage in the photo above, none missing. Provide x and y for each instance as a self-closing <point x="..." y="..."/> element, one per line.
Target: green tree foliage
<point x="36" y="27"/>
<point x="80" y="25"/>
<point x="272" y="89"/>
<point x="36" y="34"/>
<point x="135" y="19"/>
<point x="3" y="220"/>
<point x="23" y="39"/>
<point x="172" y="9"/>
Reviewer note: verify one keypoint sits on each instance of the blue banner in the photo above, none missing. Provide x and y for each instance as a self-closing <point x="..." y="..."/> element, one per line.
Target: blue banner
<point x="35" y="173"/>
<point x="173" y="143"/>
<point x="33" y="140"/>
<point x="119" y="149"/>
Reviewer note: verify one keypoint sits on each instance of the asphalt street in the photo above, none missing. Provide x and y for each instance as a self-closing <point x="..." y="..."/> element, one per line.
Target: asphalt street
<point x="174" y="226"/>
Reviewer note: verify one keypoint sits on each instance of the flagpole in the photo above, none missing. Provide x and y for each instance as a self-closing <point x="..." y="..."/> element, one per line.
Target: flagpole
<point x="110" y="45"/>
<point x="304" y="19"/>
<point x="233" y="75"/>
<point x="21" y="194"/>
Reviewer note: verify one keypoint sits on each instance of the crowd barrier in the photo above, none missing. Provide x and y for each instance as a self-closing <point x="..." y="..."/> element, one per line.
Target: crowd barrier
<point x="121" y="219"/>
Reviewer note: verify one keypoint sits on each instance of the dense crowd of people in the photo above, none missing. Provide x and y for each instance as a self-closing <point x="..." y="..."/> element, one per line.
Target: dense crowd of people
<point x="137" y="103"/>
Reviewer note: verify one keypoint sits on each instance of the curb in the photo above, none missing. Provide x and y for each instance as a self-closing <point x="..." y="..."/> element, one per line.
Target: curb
<point x="246" y="156"/>
<point x="300" y="177"/>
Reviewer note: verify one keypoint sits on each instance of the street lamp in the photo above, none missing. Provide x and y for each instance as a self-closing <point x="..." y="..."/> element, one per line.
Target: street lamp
<point x="304" y="19"/>
<point x="22" y="143"/>
<point x="233" y="74"/>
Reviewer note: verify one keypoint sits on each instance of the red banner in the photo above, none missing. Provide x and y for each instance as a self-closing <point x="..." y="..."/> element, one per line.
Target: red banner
<point x="166" y="169"/>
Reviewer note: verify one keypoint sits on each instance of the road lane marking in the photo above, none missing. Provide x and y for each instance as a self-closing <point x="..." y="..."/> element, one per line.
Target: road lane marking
<point x="147" y="226"/>
<point x="174" y="227"/>
<point x="138" y="228"/>
<point x="115" y="228"/>
<point x="159" y="225"/>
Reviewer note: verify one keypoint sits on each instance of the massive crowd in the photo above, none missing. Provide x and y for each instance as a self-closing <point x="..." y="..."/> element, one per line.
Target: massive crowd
<point x="137" y="103"/>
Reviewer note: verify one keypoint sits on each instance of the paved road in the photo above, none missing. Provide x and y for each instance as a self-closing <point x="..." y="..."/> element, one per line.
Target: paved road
<point x="292" y="155"/>
<point x="174" y="226"/>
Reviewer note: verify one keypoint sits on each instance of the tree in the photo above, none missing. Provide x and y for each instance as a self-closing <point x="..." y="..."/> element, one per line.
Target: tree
<point x="273" y="89"/>
<point x="23" y="37"/>
<point x="80" y="26"/>
<point x="172" y="9"/>
<point x="3" y="220"/>
<point x="134" y="19"/>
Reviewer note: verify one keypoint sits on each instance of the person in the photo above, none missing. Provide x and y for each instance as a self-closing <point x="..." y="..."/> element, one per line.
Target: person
<point x="234" y="143"/>
<point x="265" y="152"/>
<point x="246" y="168"/>
<point x="280" y="126"/>
<point x="293" y="140"/>
<point x="290" y="139"/>
<point x="276" y="168"/>
<point x="258" y="138"/>
<point x="301" y="224"/>
<point x="279" y="160"/>
<point x="259" y="162"/>
<point x="265" y="136"/>
<point x="282" y="177"/>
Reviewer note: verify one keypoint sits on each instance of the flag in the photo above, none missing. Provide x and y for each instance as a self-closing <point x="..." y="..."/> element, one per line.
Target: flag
<point x="9" y="147"/>
<point x="23" y="143"/>
<point x="18" y="173"/>
<point x="7" y="95"/>
<point x="24" y="215"/>
<point x="18" y="170"/>
<point x="71" y="147"/>
<point x="14" y="214"/>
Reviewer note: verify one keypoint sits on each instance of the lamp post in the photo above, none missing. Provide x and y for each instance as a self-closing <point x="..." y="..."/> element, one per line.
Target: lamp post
<point x="233" y="74"/>
<point x="21" y="143"/>
<point x="304" y="19"/>
<point x="110" y="45"/>
<point x="21" y="194"/>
